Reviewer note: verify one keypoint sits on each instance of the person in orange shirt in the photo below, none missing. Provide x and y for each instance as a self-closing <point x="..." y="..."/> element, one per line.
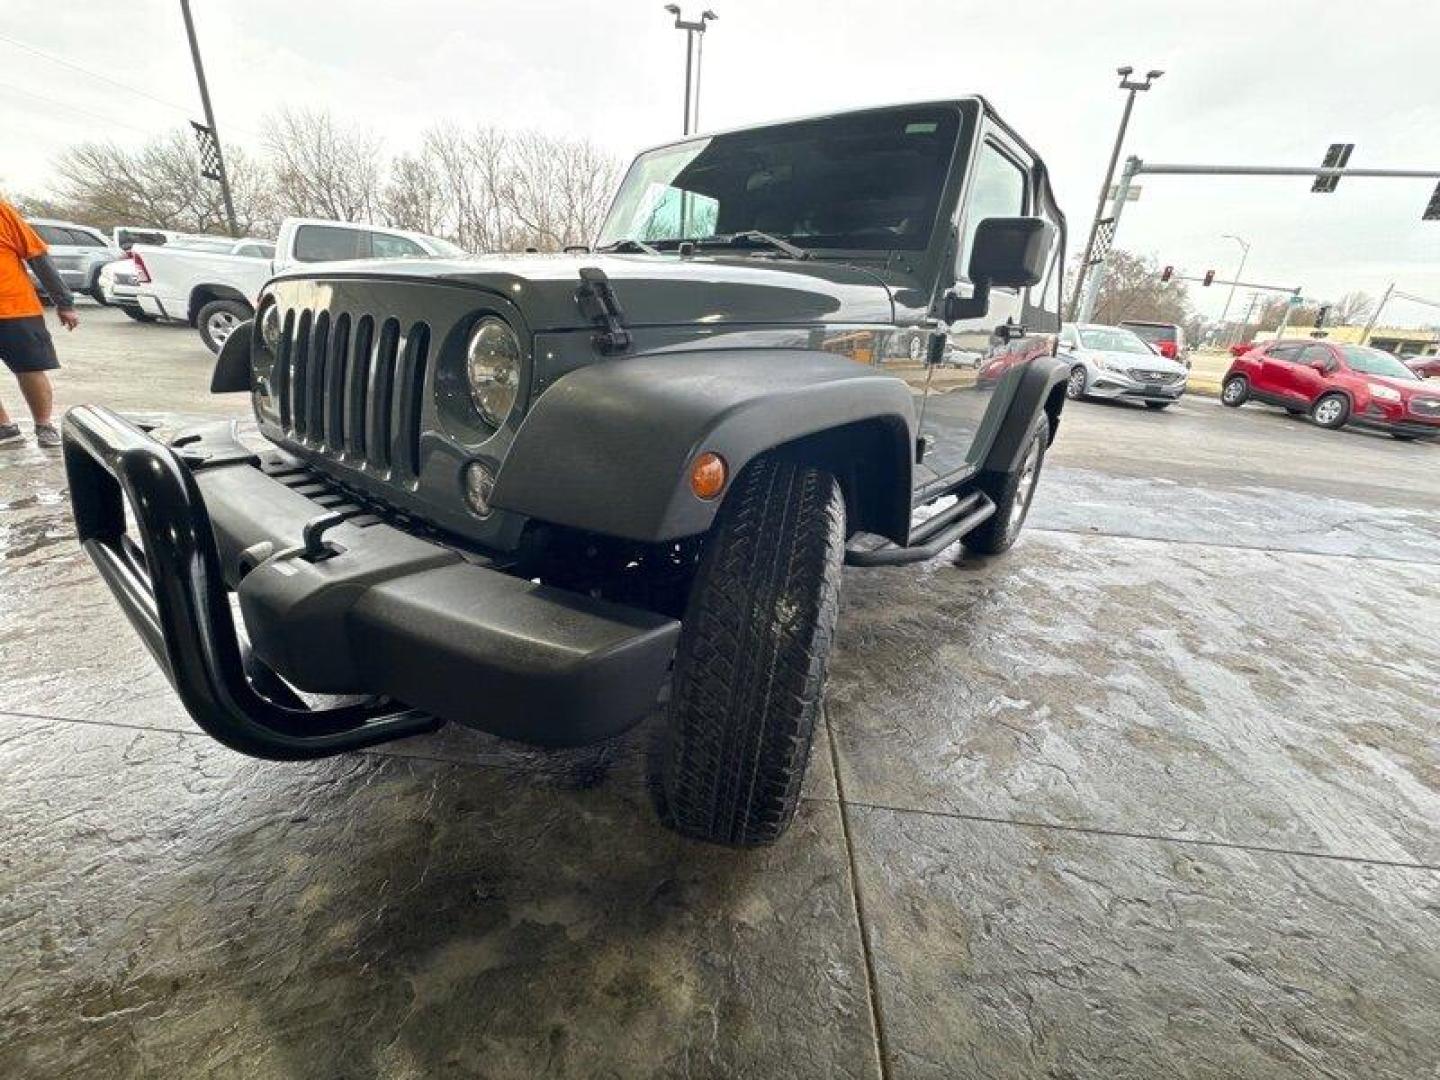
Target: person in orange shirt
<point x="25" y="343"/>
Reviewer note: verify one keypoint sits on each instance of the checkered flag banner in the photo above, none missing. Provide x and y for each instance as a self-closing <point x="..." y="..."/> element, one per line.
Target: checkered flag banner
<point x="1104" y="237"/>
<point x="209" y="152"/>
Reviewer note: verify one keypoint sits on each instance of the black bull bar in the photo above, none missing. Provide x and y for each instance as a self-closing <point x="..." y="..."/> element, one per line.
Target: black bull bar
<point x="174" y="594"/>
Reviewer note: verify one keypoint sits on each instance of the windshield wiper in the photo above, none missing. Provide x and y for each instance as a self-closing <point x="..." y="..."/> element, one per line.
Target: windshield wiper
<point x="756" y="236"/>
<point x="630" y="244"/>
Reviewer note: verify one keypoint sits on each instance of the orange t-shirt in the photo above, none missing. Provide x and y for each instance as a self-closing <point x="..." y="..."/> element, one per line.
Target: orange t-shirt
<point x="18" y="242"/>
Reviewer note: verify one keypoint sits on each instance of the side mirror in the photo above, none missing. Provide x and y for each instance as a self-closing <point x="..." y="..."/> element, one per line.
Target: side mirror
<point x="1008" y="253"/>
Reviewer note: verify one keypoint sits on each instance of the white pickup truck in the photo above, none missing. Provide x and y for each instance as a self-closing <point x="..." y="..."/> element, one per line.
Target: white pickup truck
<point x="215" y="292"/>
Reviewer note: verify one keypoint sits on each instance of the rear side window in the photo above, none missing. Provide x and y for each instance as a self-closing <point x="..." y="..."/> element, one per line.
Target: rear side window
<point x="330" y="243"/>
<point x="394" y="247"/>
<point x="81" y="238"/>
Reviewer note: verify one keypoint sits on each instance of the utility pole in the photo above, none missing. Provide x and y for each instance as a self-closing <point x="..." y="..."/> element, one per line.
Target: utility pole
<point x="694" y="52"/>
<point x="1134" y="87"/>
<point x="1097" y="277"/>
<point x="1244" y="254"/>
<point x="1375" y="315"/>
<point x="212" y="158"/>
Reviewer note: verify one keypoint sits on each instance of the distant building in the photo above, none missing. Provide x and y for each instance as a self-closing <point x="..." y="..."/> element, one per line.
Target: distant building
<point x="1403" y="341"/>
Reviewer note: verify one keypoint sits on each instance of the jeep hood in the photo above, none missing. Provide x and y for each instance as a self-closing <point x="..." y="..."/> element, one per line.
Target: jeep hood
<point x="654" y="290"/>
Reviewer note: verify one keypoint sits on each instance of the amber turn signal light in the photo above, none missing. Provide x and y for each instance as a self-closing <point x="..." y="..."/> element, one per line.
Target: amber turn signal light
<point x="707" y="475"/>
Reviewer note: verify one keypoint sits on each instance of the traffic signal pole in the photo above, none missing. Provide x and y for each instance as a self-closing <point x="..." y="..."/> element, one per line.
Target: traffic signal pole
<point x="1134" y="167"/>
<point x="222" y="175"/>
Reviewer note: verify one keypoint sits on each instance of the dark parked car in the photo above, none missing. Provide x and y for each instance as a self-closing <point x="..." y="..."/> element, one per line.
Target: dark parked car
<point x="1336" y="385"/>
<point x="529" y="493"/>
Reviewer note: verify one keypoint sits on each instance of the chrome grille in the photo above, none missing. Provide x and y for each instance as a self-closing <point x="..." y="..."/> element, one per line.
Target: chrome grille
<point x="1145" y="375"/>
<point x="351" y="392"/>
<point x="1425" y="406"/>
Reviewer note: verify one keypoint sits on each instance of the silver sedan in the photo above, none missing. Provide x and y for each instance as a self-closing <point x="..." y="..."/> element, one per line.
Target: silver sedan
<point x="1112" y="362"/>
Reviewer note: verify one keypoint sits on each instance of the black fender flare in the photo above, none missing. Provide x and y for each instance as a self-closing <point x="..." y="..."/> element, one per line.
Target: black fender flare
<point x="608" y="447"/>
<point x="1041" y="389"/>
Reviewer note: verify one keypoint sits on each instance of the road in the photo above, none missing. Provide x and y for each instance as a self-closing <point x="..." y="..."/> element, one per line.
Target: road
<point x="1155" y="794"/>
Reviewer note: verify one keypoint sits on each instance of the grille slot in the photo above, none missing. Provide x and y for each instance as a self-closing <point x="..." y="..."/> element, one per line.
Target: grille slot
<point x="354" y="386"/>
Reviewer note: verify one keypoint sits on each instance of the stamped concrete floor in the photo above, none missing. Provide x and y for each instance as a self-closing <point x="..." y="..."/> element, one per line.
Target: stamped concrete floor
<point x="1157" y="794"/>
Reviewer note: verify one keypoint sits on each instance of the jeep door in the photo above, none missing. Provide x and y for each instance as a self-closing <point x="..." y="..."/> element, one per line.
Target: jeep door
<point x="961" y="406"/>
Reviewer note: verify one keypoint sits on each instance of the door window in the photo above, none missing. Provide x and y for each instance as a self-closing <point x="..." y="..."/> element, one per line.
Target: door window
<point x="997" y="190"/>
<point x="330" y="243"/>
<point x="1311" y="353"/>
<point x="1288" y="353"/>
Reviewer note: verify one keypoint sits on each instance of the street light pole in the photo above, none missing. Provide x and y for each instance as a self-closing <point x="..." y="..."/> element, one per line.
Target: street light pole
<point x="693" y="55"/>
<point x="1134" y="87"/>
<point x="1244" y="254"/>
<point x="220" y="173"/>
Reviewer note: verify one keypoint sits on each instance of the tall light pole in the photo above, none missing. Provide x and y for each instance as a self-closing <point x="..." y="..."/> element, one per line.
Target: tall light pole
<point x="212" y="159"/>
<point x="1134" y="87"/>
<point x="694" y="51"/>
<point x="1244" y="254"/>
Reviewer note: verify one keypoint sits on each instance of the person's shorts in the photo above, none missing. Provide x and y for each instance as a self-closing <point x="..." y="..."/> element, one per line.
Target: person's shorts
<point x="25" y="345"/>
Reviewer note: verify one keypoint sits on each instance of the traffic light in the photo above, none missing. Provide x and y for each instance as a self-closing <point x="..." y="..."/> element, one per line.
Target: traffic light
<point x="1337" y="157"/>
<point x="1320" y="316"/>
<point x="1432" y="209"/>
<point x="1209" y="276"/>
<point x="1169" y="271"/>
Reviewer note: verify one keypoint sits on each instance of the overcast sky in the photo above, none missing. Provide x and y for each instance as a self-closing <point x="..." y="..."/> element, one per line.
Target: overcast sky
<point x="1269" y="82"/>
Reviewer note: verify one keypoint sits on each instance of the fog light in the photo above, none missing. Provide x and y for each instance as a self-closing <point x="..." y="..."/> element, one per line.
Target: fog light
<point x="707" y="475"/>
<point x="479" y="486"/>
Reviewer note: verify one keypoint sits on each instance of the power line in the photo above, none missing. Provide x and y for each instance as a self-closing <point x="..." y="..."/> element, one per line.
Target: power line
<point x="95" y="74"/>
<point x="75" y="109"/>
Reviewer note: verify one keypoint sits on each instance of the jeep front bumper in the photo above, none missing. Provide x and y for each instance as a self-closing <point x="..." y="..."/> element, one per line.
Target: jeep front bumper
<point x="337" y="601"/>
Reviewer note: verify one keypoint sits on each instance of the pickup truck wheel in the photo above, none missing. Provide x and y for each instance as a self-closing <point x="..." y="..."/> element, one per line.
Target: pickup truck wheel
<point x="750" y="665"/>
<point x="136" y="313"/>
<point x="218" y="319"/>
<point x="1012" y="493"/>
<point x="98" y="295"/>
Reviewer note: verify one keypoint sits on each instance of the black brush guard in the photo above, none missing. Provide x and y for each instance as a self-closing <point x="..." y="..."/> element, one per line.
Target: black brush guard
<point x="174" y="595"/>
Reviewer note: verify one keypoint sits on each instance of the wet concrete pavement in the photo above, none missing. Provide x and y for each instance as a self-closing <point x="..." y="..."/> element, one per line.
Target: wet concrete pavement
<point x="1156" y="794"/>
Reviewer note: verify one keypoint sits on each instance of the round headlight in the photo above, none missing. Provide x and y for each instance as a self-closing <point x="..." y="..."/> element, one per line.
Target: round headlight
<point x="270" y="327"/>
<point x="492" y="366"/>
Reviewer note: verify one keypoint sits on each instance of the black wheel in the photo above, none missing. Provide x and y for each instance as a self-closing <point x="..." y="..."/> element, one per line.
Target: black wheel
<point x="750" y="666"/>
<point x="1012" y="493"/>
<point x="1236" y="391"/>
<point x="136" y="314"/>
<point x="1076" y="384"/>
<point x="1401" y="437"/>
<point x="96" y="293"/>
<point x="1158" y="404"/>
<point x="1294" y="411"/>
<point x="218" y="319"/>
<point x="1331" y="411"/>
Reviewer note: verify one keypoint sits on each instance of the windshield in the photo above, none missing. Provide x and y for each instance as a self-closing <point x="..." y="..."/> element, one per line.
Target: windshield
<point x="861" y="181"/>
<point x="1375" y="362"/>
<point x="1113" y="339"/>
<point x="1151" y="332"/>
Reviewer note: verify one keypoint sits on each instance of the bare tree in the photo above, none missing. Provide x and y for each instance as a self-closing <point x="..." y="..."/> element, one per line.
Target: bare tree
<point x="1133" y="290"/>
<point x="159" y="185"/>
<point x="557" y="190"/>
<point x="414" y="197"/>
<point x="321" y="169"/>
<point x="1352" y="308"/>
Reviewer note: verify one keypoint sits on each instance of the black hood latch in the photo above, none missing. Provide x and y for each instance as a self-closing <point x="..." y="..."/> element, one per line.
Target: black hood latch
<point x="598" y="304"/>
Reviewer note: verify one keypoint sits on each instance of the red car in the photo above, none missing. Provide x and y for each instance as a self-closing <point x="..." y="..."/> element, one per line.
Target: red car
<point x="1427" y="367"/>
<point x="1336" y="385"/>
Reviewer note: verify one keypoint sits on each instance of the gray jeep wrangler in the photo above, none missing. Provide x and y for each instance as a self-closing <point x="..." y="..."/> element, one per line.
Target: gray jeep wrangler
<point x="545" y="495"/>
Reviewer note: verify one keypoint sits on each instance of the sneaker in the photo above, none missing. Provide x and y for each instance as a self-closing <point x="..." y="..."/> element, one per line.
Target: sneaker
<point x="47" y="435"/>
<point x="9" y="433"/>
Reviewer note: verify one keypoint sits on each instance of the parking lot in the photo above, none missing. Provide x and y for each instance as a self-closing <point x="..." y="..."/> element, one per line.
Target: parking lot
<point x="1155" y="794"/>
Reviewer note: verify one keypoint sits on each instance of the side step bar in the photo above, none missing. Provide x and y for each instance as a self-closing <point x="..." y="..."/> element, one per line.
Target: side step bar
<point x="931" y="536"/>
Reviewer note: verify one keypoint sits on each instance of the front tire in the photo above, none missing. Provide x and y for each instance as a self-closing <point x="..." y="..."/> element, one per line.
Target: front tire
<point x="1012" y="493"/>
<point x="97" y="294"/>
<point x="137" y="314"/>
<point x="218" y="319"/>
<point x="1331" y="411"/>
<point x="1158" y="404"/>
<point x="750" y="666"/>
<point x="1075" y="386"/>
<point x="1236" y="391"/>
